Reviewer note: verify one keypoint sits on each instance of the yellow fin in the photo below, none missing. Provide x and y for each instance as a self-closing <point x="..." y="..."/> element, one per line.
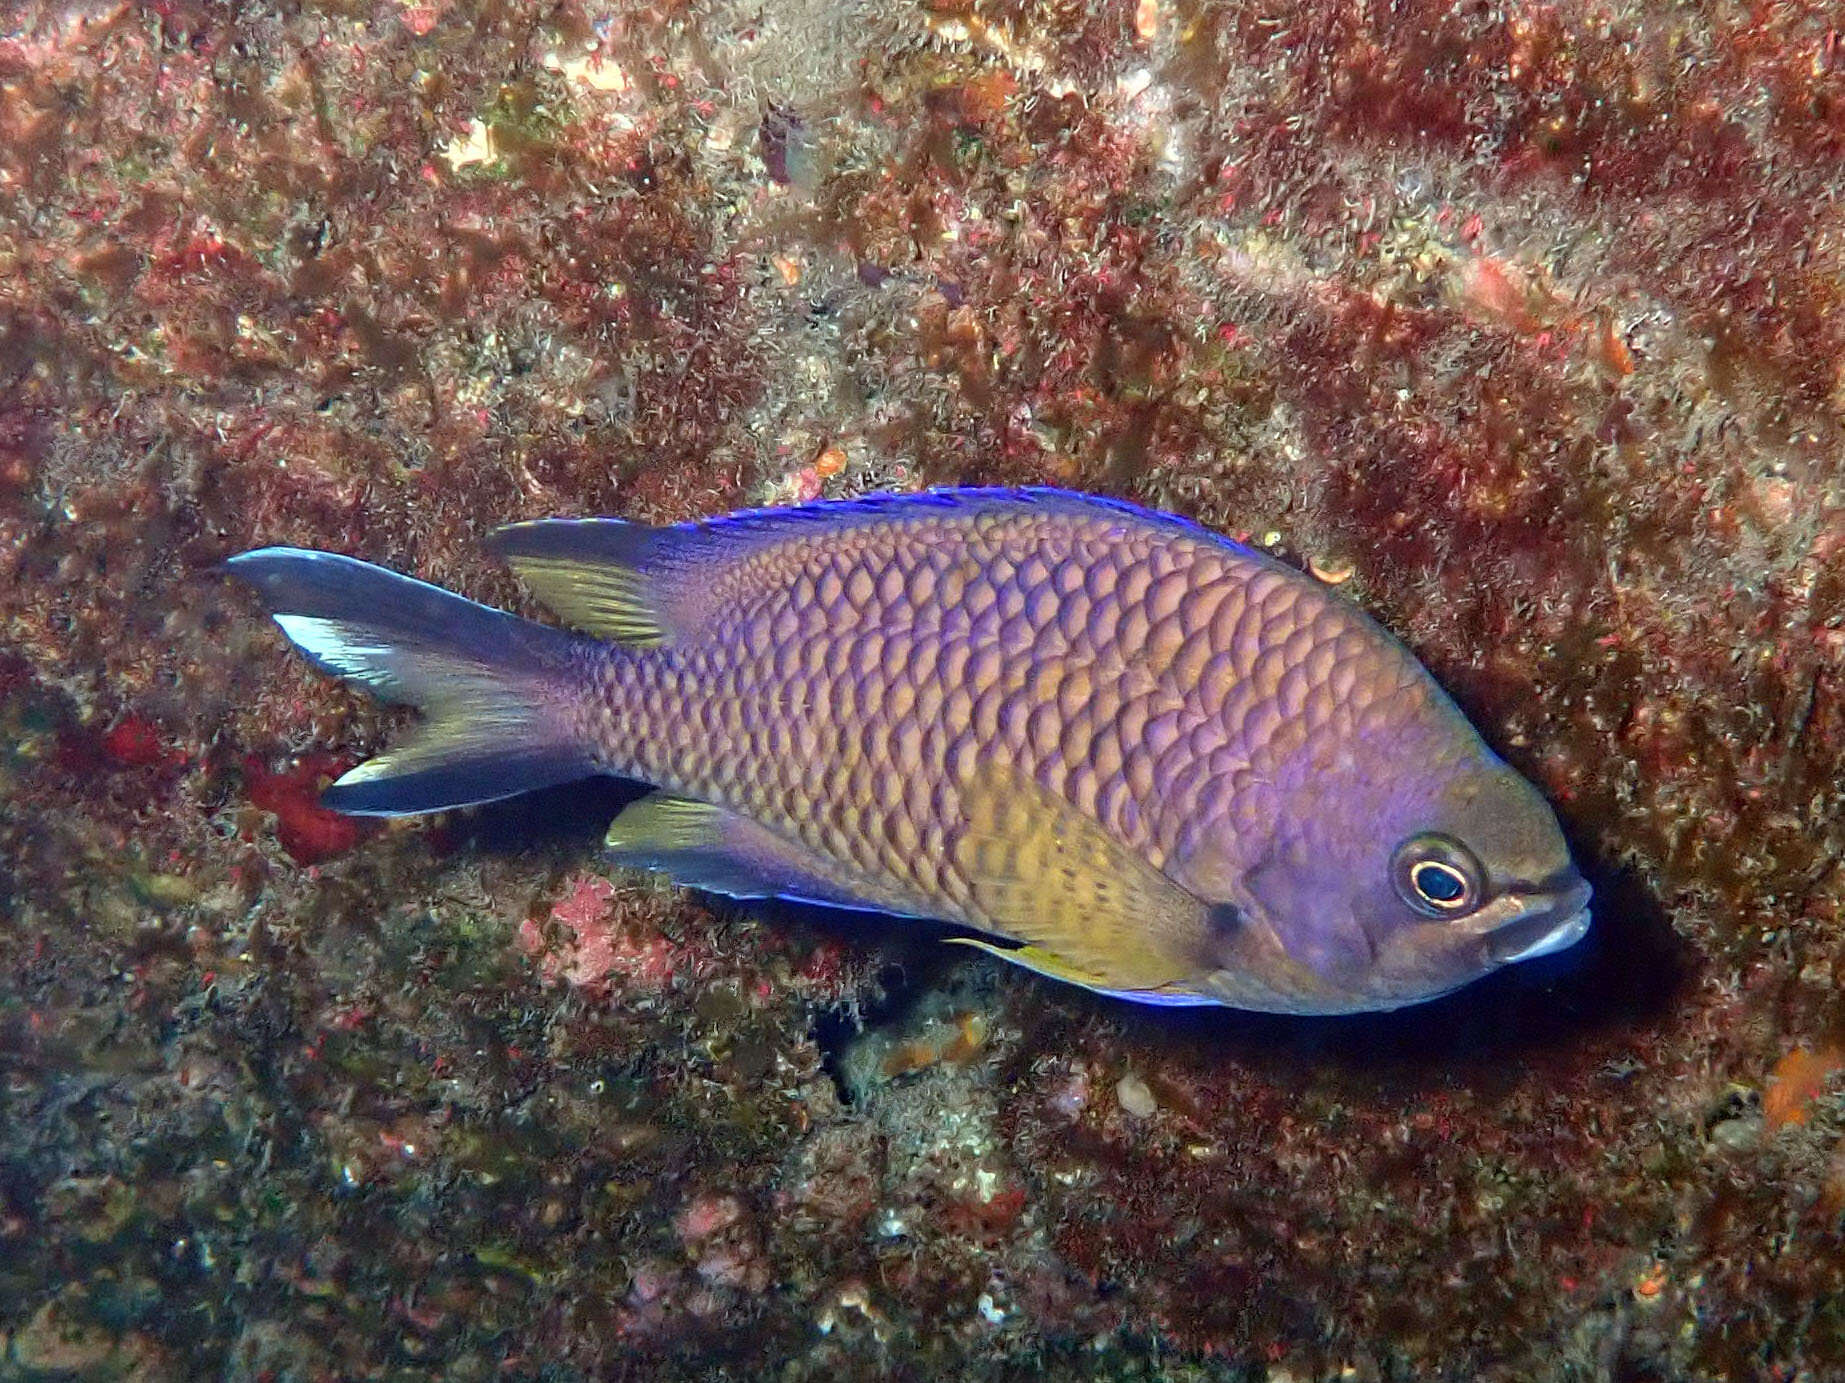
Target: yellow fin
<point x="697" y="844"/>
<point x="1037" y="959"/>
<point x="1033" y="958"/>
<point x="591" y="573"/>
<point x="664" y="821"/>
<point x="702" y="845"/>
<point x="1090" y="909"/>
<point x="609" y="602"/>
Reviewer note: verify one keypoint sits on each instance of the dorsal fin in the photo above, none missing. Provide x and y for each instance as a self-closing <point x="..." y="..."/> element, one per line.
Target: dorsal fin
<point x="642" y="585"/>
<point x="592" y="573"/>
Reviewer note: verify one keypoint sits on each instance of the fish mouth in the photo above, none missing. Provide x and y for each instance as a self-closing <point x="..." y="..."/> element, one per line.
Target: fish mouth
<point x="1556" y="926"/>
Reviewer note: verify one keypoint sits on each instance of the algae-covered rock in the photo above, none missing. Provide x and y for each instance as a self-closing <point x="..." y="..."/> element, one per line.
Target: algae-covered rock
<point x="1520" y="324"/>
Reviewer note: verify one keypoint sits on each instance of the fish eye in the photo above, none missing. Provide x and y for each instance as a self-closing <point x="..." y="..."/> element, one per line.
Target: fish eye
<point x="1438" y="883"/>
<point x="1437" y="876"/>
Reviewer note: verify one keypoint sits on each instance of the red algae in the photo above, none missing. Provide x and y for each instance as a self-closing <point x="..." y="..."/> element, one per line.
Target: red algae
<point x="135" y="742"/>
<point x="1522" y="322"/>
<point x="307" y="831"/>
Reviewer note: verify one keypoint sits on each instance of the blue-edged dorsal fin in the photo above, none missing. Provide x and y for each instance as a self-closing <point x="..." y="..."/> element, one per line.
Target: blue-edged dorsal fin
<point x="645" y="585"/>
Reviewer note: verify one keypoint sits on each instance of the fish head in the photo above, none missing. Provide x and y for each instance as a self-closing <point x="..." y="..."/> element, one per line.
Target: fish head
<point x="1395" y="888"/>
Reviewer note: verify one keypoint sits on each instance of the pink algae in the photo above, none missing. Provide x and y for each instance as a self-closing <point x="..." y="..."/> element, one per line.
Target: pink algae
<point x="595" y="949"/>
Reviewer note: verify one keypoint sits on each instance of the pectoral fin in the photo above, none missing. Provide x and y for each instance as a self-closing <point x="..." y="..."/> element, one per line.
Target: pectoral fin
<point x="1090" y="909"/>
<point x="1034" y="958"/>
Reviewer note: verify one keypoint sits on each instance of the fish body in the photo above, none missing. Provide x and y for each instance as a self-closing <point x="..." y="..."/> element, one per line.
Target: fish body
<point x="1120" y="749"/>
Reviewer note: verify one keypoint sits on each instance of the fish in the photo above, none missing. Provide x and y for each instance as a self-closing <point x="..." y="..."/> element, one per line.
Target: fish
<point x="1096" y="740"/>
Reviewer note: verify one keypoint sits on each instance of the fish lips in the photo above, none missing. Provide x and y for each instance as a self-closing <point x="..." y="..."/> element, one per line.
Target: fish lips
<point x="1555" y="924"/>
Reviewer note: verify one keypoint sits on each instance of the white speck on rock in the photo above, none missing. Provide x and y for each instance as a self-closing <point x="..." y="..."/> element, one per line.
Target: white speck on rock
<point x="1137" y="1101"/>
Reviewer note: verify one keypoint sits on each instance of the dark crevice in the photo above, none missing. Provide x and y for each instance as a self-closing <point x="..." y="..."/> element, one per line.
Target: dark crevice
<point x="838" y="1028"/>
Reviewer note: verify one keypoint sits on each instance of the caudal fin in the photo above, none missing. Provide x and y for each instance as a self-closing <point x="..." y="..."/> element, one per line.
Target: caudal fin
<point x="493" y="688"/>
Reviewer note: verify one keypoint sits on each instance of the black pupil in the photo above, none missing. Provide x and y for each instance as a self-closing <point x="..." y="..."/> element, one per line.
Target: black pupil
<point x="1438" y="883"/>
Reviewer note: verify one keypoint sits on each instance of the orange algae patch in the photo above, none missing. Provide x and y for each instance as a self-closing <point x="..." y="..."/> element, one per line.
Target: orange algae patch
<point x="1651" y="1282"/>
<point x="1796" y="1081"/>
<point x="956" y="1044"/>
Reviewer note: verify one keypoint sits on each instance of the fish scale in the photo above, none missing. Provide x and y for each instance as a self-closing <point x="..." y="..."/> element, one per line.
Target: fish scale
<point x="1014" y="607"/>
<point x="1153" y="761"/>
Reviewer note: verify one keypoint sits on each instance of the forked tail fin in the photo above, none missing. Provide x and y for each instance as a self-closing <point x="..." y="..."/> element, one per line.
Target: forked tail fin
<point x="495" y="690"/>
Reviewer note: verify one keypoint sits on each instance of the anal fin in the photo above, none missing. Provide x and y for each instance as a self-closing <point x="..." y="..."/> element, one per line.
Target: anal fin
<point x="709" y="847"/>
